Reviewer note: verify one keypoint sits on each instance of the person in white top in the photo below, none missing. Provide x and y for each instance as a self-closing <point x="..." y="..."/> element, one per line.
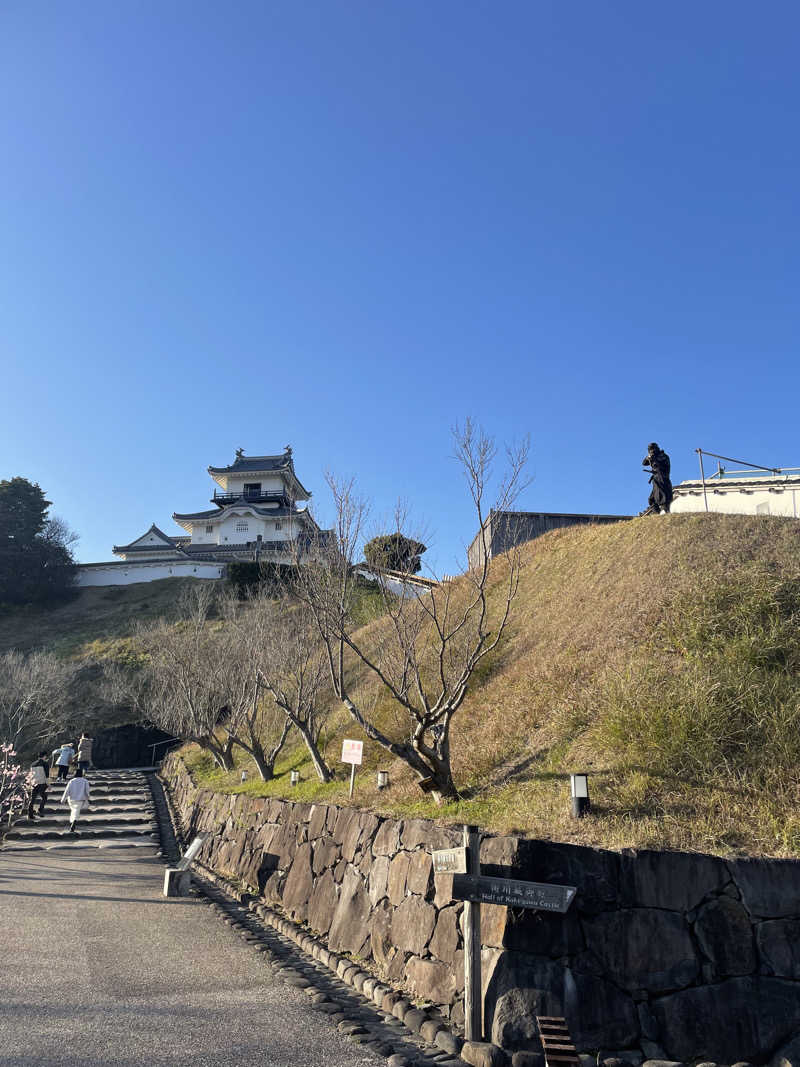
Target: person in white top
<point x="66" y="755"/>
<point x="77" y="796"/>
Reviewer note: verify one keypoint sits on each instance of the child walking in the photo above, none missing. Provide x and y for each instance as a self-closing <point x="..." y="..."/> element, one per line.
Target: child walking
<point x="77" y="796"/>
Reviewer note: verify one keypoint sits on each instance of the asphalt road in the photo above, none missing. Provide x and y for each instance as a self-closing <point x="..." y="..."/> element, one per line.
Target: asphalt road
<point x="97" y="967"/>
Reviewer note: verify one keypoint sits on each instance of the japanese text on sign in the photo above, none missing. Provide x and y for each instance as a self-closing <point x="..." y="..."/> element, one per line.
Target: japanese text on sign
<point x="352" y="751"/>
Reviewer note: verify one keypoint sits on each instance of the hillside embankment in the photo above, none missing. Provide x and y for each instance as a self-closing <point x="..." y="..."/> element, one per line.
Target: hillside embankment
<point x="659" y="655"/>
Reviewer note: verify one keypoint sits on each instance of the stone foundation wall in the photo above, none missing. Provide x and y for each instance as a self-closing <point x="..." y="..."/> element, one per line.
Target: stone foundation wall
<point x="664" y="955"/>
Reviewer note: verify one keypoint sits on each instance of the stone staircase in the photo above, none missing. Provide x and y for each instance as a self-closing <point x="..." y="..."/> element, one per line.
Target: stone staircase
<point x="121" y="815"/>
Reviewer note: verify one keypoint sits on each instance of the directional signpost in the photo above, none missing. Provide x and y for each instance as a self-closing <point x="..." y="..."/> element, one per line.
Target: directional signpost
<point x="513" y="894"/>
<point x="475" y="889"/>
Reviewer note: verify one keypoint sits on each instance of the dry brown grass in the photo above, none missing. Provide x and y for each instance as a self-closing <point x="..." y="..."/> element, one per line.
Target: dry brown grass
<point x="660" y="655"/>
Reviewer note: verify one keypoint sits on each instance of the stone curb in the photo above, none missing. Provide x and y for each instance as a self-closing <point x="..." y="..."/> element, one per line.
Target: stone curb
<point x="441" y="1045"/>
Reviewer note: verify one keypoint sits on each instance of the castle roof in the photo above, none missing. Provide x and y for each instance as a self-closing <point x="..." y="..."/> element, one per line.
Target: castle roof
<point x="264" y="465"/>
<point x="149" y="546"/>
<point x="242" y="504"/>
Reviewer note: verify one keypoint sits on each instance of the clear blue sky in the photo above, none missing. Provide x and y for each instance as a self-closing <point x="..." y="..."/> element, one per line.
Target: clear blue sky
<point x="344" y="225"/>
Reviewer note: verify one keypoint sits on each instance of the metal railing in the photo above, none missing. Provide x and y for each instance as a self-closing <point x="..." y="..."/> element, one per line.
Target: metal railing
<point x="250" y="497"/>
<point x="749" y="470"/>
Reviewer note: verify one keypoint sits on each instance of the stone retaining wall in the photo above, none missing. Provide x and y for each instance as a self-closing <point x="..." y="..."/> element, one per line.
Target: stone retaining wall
<point x="664" y="955"/>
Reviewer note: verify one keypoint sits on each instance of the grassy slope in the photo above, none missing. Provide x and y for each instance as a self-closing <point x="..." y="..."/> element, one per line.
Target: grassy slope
<point x="661" y="655"/>
<point x="96" y="617"/>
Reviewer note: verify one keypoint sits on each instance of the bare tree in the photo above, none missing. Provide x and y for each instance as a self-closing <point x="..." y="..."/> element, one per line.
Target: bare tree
<point x="187" y="691"/>
<point x="289" y="657"/>
<point x="254" y="724"/>
<point x="427" y="649"/>
<point x="201" y="685"/>
<point x="34" y="690"/>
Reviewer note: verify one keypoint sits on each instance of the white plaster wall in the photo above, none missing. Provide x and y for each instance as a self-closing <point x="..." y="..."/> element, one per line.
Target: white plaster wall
<point x="131" y="573"/>
<point x="270" y="483"/>
<point x="226" y="532"/>
<point x="753" y="499"/>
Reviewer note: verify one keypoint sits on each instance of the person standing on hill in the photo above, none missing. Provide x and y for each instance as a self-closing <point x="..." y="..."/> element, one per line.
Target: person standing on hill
<point x="40" y="772"/>
<point x="661" y="494"/>
<point x="76" y="795"/>
<point x="66" y="754"/>
<point x="84" y="753"/>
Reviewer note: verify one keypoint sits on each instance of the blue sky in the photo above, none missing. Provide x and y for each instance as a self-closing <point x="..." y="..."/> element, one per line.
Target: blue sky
<point x="346" y="225"/>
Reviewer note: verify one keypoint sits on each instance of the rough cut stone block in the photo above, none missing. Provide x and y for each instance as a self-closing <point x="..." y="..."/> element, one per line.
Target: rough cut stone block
<point x="725" y="935"/>
<point x="445" y="940"/>
<point x="737" y="1018"/>
<point x="299" y="884"/>
<point x="420" y="873"/>
<point x="482" y="1054"/>
<point x="770" y="888"/>
<point x="387" y="838"/>
<point x="350" y="930"/>
<point x="520" y="986"/>
<point x="529" y="1059"/>
<point x="678" y="881"/>
<point x="643" y="948"/>
<point x="779" y="945"/>
<point x="412" y="925"/>
<point x="398" y="872"/>
<point x="431" y="980"/>
<point x="378" y="879"/>
<point x="448" y="1042"/>
<point x="322" y="906"/>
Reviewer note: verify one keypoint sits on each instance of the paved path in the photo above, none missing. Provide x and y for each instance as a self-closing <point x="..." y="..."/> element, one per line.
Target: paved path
<point x="98" y="968"/>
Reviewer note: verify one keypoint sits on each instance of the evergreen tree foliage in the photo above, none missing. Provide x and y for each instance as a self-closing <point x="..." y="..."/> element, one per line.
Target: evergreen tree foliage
<point x="394" y="552"/>
<point x="36" y="563"/>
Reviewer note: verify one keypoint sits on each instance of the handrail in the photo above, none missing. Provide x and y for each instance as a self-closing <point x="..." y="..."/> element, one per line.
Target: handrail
<point x="720" y="472"/>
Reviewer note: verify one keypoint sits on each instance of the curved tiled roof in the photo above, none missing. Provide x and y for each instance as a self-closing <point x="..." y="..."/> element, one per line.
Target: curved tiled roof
<point x="253" y="464"/>
<point x="246" y="464"/>
<point x="217" y="513"/>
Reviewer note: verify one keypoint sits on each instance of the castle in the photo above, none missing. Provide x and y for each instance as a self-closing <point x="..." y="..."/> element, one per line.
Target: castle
<point x="256" y="516"/>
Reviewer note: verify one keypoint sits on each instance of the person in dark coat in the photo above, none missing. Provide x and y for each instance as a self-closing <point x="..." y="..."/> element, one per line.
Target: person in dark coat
<point x="40" y="773"/>
<point x="661" y="493"/>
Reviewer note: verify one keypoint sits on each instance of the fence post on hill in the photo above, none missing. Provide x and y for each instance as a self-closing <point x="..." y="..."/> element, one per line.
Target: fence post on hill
<point x="473" y="994"/>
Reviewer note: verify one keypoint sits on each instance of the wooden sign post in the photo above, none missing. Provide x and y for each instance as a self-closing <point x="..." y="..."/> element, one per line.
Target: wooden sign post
<point x="474" y="888"/>
<point x="352" y="753"/>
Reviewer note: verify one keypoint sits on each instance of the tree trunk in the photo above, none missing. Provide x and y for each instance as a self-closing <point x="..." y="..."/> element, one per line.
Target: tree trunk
<point x="266" y="767"/>
<point x="221" y="754"/>
<point x="320" y="766"/>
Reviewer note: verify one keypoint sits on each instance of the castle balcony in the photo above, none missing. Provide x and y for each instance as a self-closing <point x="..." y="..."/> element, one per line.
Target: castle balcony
<point x="274" y="497"/>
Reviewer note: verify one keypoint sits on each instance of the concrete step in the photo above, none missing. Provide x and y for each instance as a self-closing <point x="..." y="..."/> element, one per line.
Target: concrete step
<point x="85" y="830"/>
<point x="72" y="841"/>
<point x="90" y="818"/>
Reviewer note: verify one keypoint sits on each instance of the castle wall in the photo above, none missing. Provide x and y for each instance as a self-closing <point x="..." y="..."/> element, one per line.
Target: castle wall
<point x="667" y="955"/>
<point x="130" y="573"/>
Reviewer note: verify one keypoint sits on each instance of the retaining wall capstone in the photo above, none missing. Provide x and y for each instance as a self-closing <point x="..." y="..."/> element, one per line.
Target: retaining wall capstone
<point x="663" y="955"/>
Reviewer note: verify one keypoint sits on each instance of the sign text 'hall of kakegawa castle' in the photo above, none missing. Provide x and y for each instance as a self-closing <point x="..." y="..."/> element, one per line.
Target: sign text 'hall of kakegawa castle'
<point x="258" y="513"/>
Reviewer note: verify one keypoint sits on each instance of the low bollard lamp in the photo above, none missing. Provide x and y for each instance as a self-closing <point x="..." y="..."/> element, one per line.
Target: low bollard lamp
<point x="579" y="789"/>
<point x="294" y="777"/>
<point x="383" y="779"/>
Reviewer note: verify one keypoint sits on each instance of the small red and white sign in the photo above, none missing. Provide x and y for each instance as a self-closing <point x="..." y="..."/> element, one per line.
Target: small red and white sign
<point x="352" y="751"/>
